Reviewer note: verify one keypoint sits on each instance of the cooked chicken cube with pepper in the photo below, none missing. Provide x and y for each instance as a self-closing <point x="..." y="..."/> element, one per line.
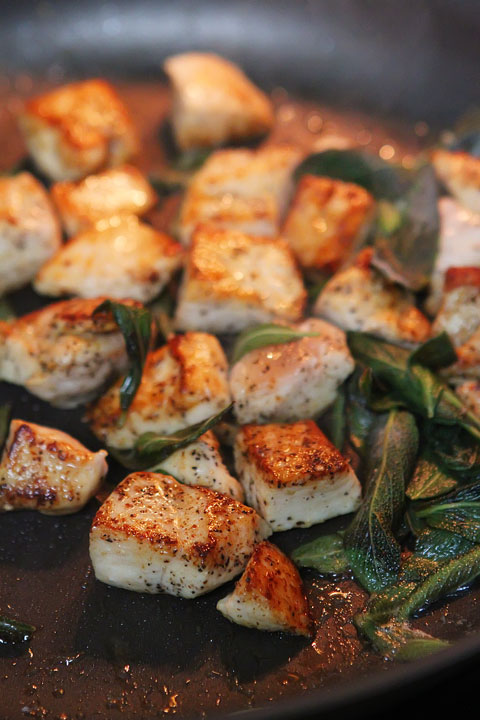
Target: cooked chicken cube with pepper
<point x="293" y="475"/>
<point x="47" y="470"/>
<point x="201" y="463"/>
<point x="29" y="230"/>
<point x="183" y="383"/>
<point x="269" y="595"/>
<point x="118" y="191"/>
<point x="78" y="129"/>
<point x="360" y="298"/>
<point x="245" y="190"/>
<point x="233" y="281"/>
<point x="460" y="173"/>
<point x="118" y="257"/>
<point x="459" y="316"/>
<point x="326" y="218"/>
<point x="63" y="353"/>
<point x="214" y="102"/>
<point x="155" y="535"/>
<point x="293" y="380"/>
<point x="458" y="245"/>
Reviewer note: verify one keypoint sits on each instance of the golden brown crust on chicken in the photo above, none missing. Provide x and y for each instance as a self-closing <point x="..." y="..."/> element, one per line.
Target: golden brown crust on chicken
<point x="117" y="191"/>
<point x="78" y="129"/>
<point x="183" y="382"/>
<point x="269" y="595"/>
<point x="45" y="469"/>
<point x="214" y="102"/>
<point x="460" y="172"/>
<point x="456" y="277"/>
<point x="325" y="219"/>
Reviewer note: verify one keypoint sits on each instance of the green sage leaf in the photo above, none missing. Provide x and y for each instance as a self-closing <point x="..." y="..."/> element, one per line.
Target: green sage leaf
<point x="5" y="411"/>
<point x="7" y="314"/>
<point x="14" y="631"/>
<point x="398" y="640"/>
<point x="429" y="480"/>
<point x="263" y="335"/>
<point x="325" y="554"/>
<point x="437" y="352"/>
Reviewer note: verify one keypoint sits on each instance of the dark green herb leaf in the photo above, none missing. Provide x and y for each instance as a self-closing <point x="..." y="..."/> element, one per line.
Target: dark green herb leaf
<point x="135" y="324"/>
<point x="398" y="640"/>
<point x="411" y="385"/>
<point x="375" y="175"/>
<point x="439" y="545"/>
<point x="338" y="420"/>
<point x="262" y="335"/>
<point x="458" y="512"/>
<point x="407" y="254"/>
<point x="438" y="352"/>
<point x="191" y="159"/>
<point x="359" y="417"/>
<point x="370" y="544"/>
<point x="165" y="186"/>
<point x="324" y="554"/>
<point x="151" y="449"/>
<point x="14" y="631"/>
<point x="5" y="411"/>
<point x="6" y="311"/>
<point x="429" y="479"/>
<point x="456" y="450"/>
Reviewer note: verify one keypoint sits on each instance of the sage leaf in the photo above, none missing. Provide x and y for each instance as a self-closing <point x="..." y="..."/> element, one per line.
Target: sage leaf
<point x="135" y="324"/>
<point x="411" y="385"/>
<point x="191" y="160"/>
<point x="398" y="640"/>
<point x="359" y="417"/>
<point x="165" y="186"/>
<point x="429" y="480"/>
<point x="456" y="451"/>
<point x="375" y="175"/>
<point x="325" y="554"/>
<point x="458" y="512"/>
<point x="151" y="449"/>
<point x="5" y="411"/>
<point x="7" y="313"/>
<point x="370" y="544"/>
<point x="407" y="253"/>
<point x="439" y="545"/>
<point x="435" y="353"/>
<point x="263" y="335"/>
<point x="14" y="631"/>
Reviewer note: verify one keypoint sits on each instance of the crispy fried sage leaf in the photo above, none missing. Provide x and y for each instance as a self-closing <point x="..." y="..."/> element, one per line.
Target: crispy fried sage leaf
<point x="429" y="480"/>
<point x="405" y="251"/>
<point x="411" y="385"/>
<point x="135" y="324"/>
<point x="151" y="449"/>
<point x="5" y="411"/>
<point x="458" y="512"/>
<point x="435" y="353"/>
<point x="398" y="640"/>
<point x="191" y="159"/>
<point x="370" y="544"/>
<point x="265" y="334"/>
<point x="457" y="452"/>
<point x="325" y="554"/>
<point x="359" y="416"/>
<point x="14" y="631"/>
<point x="375" y="175"/>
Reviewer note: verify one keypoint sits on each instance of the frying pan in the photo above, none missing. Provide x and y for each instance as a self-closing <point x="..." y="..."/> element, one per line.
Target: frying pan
<point x="103" y="653"/>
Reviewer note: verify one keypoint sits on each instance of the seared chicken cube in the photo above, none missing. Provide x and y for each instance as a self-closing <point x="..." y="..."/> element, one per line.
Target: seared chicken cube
<point x="292" y="380"/>
<point x="29" y="230"/>
<point x="63" y="353"/>
<point x="458" y="245"/>
<point x="154" y="535"/>
<point x="183" y="383"/>
<point x="118" y="191"/>
<point x="214" y="102"/>
<point x="459" y="316"/>
<point x="460" y="173"/>
<point x="201" y="463"/>
<point x="233" y="280"/>
<point x="360" y="298"/>
<point x="118" y="257"/>
<point x="245" y="190"/>
<point x="47" y="470"/>
<point x="269" y="595"/>
<point x="327" y="217"/>
<point x="293" y="475"/>
<point x="78" y="129"/>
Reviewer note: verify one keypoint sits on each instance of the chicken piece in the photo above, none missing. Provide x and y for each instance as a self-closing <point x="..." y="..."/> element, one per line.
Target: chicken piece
<point x="154" y="535"/>
<point x="469" y="393"/>
<point x="214" y="102"/>
<point x="292" y="380"/>
<point x="29" y="230"/>
<point x="459" y="246"/>
<point x="326" y="219"/>
<point x="460" y="173"/>
<point x="293" y="475"/>
<point x="246" y="190"/>
<point x="78" y="129"/>
<point x="360" y="298"/>
<point x="201" y="463"/>
<point x="183" y="383"/>
<point x="47" y="470"/>
<point x="63" y="353"/>
<point x="269" y="595"/>
<point x="459" y="316"/>
<point x="118" y="191"/>
<point x="233" y="280"/>
<point x="118" y="257"/>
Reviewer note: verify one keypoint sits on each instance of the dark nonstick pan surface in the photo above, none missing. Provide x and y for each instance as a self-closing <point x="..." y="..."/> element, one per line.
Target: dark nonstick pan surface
<point x="103" y="653"/>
